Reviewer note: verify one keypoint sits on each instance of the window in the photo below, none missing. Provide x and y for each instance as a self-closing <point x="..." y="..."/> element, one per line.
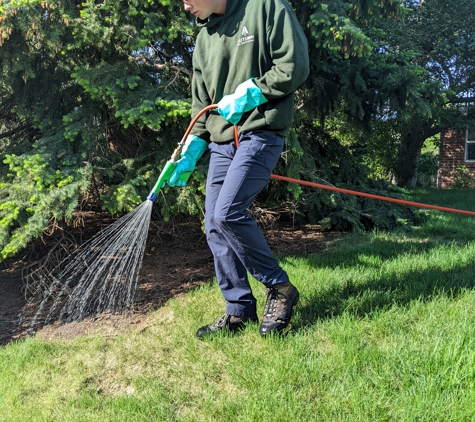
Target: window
<point x="470" y="145"/>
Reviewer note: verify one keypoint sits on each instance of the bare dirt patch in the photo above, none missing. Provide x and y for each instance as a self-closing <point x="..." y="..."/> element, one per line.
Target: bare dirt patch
<point x="177" y="259"/>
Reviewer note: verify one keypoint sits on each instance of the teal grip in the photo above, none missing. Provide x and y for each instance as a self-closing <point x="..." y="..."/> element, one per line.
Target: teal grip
<point x="184" y="176"/>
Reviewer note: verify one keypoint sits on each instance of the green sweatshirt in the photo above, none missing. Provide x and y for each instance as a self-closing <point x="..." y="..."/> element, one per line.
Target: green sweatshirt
<point x="259" y="39"/>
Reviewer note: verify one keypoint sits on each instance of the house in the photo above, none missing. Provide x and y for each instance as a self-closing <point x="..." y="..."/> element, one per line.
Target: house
<point x="457" y="158"/>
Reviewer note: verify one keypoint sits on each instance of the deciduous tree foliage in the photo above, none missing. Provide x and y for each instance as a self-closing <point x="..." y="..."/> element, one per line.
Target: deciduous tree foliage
<point x="94" y="96"/>
<point x="438" y="37"/>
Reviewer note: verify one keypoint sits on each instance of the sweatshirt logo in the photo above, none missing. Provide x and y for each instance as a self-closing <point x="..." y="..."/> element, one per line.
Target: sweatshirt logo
<point x="245" y="37"/>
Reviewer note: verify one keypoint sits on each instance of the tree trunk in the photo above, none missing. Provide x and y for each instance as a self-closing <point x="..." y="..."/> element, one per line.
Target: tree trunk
<point x="413" y="136"/>
<point x="407" y="165"/>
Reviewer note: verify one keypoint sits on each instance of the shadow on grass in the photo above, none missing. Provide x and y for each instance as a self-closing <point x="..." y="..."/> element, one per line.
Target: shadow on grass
<point x="364" y="297"/>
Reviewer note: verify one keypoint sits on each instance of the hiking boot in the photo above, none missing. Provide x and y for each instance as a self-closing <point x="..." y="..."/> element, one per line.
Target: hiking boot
<point x="281" y="300"/>
<point x="226" y="322"/>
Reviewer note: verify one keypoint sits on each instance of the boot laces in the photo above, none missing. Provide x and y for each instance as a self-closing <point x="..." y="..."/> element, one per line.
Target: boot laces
<point x="222" y="321"/>
<point x="273" y="297"/>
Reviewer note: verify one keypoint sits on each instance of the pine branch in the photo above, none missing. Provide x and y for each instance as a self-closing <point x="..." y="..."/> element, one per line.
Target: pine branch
<point x="178" y="69"/>
<point x="15" y="131"/>
<point x="454" y="99"/>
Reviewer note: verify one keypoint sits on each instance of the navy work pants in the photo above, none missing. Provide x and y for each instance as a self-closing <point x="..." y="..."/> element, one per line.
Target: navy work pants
<point x="235" y="176"/>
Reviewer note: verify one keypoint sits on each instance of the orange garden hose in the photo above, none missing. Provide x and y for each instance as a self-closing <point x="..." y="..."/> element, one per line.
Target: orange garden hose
<point x="320" y="186"/>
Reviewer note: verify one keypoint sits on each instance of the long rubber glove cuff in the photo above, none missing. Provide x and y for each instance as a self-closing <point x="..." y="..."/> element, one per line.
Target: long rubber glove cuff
<point x="191" y="152"/>
<point x="246" y="97"/>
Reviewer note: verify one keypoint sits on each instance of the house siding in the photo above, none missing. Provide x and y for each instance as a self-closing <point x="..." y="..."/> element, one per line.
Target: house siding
<point x="452" y="156"/>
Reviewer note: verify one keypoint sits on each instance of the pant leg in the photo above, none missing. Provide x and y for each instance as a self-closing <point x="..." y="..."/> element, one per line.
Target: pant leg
<point x="230" y="271"/>
<point x="246" y="175"/>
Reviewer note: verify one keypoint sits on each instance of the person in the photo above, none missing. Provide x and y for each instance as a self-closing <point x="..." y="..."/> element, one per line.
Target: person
<point x="250" y="56"/>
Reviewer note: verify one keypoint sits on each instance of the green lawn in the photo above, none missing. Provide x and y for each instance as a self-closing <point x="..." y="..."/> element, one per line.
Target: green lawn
<point x="385" y="331"/>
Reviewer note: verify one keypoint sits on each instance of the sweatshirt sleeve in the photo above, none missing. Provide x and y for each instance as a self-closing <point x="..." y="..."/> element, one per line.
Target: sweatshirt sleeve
<point x="200" y="101"/>
<point x="288" y="50"/>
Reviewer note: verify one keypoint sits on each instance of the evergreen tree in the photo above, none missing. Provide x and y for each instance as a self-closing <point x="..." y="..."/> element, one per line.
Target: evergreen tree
<point x="89" y="89"/>
<point x="94" y="96"/>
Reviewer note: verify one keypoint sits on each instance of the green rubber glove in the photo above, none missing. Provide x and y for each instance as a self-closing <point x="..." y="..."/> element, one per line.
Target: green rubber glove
<point x="192" y="150"/>
<point x="246" y="97"/>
